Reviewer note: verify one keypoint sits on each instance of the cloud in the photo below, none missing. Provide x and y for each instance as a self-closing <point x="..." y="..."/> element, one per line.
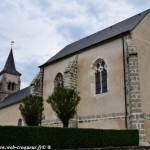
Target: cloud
<point x="41" y="28"/>
<point x="139" y="5"/>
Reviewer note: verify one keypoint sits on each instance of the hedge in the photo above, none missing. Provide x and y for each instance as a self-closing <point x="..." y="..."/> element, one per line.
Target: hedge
<point x="63" y="138"/>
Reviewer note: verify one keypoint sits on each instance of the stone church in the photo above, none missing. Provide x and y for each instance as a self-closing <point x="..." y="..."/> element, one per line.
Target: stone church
<point x="110" y="69"/>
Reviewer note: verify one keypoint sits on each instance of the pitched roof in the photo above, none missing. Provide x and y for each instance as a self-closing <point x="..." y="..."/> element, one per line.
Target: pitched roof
<point x="10" y="65"/>
<point x="101" y="36"/>
<point x="15" y="97"/>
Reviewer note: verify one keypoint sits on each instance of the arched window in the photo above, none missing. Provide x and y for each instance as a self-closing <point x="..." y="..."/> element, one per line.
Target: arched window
<point x="20" y="122"/>
<point x="100" y="70"/>
<point x="13" y="86"/>
<point x="58" y="82"/>
<point x="9" y="86"/>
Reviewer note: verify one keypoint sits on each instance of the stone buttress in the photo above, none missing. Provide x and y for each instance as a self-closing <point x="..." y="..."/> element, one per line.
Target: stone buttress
<point x="70" y="81"/>
<point x="71" y="73"/>
<point x="37" y="84"/>
<point x="136" y="116"/>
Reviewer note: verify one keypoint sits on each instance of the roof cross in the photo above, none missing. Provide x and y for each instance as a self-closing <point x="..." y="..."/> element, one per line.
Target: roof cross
<point x="12" y="43"/>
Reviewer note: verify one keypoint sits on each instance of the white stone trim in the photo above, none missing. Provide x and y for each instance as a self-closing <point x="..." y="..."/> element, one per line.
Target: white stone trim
<point x="88" y="118"/>
<point x="91" y="118"/>
<point x="146" y="116"/>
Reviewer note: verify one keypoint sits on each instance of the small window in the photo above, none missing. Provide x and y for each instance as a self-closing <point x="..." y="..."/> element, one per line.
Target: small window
<point x="20" y="122"/>
<point x="13" y="86"/>
<point x="9" y="86"/>
<point x="58" y="82"/>
<point x="100" y="77"/>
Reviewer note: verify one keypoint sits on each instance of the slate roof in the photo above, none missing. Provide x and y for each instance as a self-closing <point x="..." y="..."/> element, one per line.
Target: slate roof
<point x="15" y="97"/>
<point x="118" y="29"/>
<point x="10" y="65"/>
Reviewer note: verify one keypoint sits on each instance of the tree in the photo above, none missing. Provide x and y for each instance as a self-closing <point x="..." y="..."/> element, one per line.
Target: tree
<point x="64" y="102"/>
<point x="31" y="110"/>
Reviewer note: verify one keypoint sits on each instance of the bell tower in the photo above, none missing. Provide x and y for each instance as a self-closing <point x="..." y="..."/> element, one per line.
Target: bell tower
<point x="9" y="77"/>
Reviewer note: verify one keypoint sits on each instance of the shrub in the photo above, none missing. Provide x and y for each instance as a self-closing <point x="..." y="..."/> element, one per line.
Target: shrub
<point x="31" y="109"/>
<point x="66" y="137"/>
<point x="64" y="102"/>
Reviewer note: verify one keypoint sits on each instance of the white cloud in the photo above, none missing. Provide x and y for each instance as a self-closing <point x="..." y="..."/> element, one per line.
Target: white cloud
<point x="41" y="28"/>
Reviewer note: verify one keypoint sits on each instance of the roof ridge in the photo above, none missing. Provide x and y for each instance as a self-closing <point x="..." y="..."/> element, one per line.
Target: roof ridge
<point x="147" y="11"/>
<point x="112" y="26"/>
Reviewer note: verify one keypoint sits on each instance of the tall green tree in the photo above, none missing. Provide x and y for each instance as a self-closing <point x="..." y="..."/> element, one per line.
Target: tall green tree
<point x="64" y="102"/>
<point x="31" y="110"/>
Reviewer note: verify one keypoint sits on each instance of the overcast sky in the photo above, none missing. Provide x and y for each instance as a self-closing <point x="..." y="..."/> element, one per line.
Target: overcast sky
<point x="41" y="28"/>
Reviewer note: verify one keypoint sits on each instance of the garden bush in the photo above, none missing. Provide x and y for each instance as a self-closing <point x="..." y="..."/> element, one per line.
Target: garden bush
<point x="63" y="138"/>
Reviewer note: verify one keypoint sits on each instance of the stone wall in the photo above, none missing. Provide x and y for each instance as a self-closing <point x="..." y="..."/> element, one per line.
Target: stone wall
<point x="9" y="84"/>
<point x="37" y="84"/>
<point x="83" y="119"/>
<point x="91" y="118"/>
<point x="136" y="117"/>
<point x="71" y="73"/>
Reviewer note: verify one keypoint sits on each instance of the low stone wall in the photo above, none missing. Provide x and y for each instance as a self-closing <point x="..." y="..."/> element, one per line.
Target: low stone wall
<point x="115" y="148"/>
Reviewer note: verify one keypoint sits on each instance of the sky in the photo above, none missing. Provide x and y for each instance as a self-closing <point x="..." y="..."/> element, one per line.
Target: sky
<point x="41" y="28"/>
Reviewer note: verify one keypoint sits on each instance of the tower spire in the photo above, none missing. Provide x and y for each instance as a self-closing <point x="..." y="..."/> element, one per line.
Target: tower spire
<point x="10" y="64"/>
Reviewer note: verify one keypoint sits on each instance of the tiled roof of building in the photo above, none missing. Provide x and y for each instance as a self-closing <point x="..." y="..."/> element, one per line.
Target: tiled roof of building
<point x="15" y="97"/>
<point x="10" y="65"/>
<point x="101" y="36"/>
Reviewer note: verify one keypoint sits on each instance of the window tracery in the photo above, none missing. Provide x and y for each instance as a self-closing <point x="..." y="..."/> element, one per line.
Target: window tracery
<point x="58" y="82"/>
<point x="100" y="76"/>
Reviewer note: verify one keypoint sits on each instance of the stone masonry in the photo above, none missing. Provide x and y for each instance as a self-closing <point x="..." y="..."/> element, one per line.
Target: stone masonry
<point x="37" y="84"/>
<point x="70" y="74"/>
<point x="136" y="117"/>
<point x="70" y="80"/>
<point x="90" y="118"/>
